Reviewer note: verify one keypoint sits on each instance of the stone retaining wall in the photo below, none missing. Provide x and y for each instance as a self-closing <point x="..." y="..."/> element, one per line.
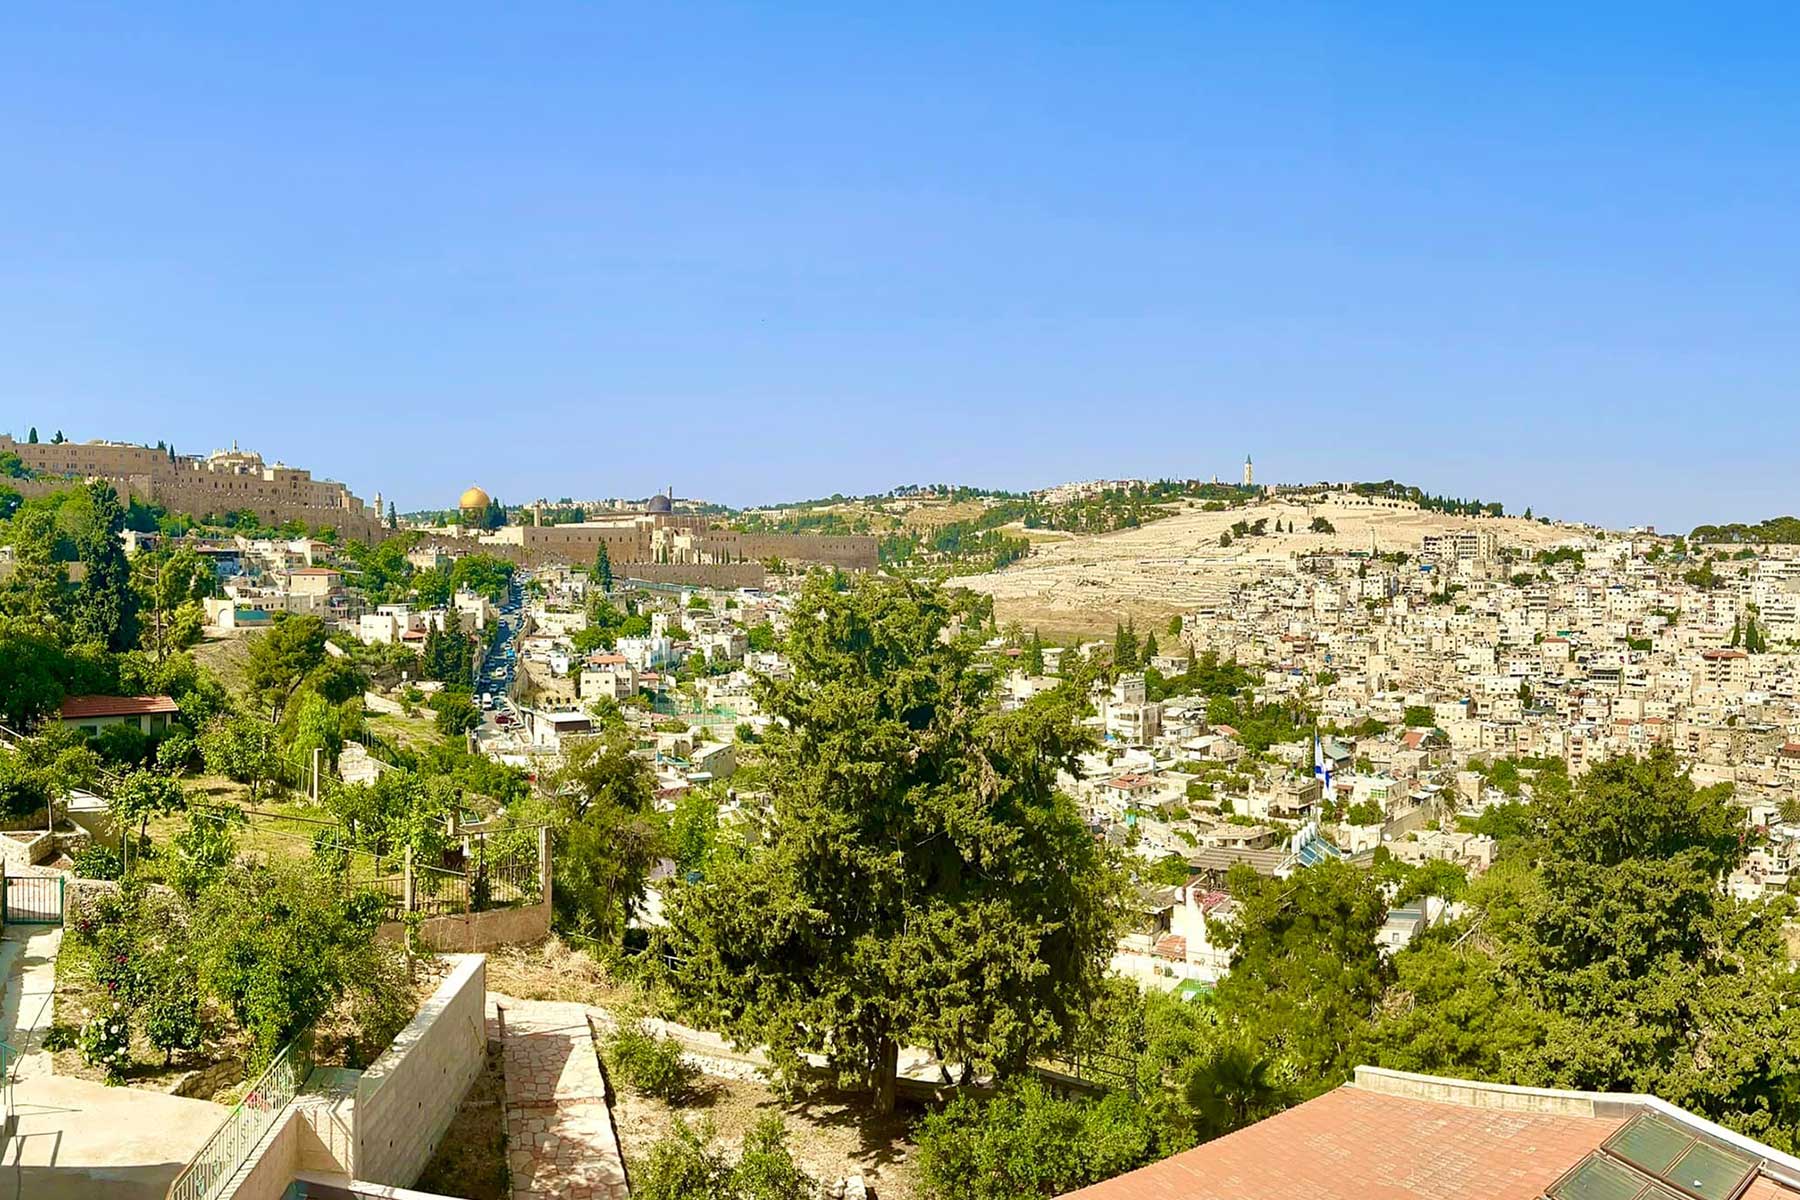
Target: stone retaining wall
<point x="473" y="933"/>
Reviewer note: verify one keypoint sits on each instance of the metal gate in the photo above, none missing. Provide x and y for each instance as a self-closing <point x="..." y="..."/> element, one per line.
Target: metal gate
<point x="31" y="899"/>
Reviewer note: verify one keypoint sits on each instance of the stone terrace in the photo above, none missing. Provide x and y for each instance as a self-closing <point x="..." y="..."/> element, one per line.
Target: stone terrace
<point x="560" y="1141"/>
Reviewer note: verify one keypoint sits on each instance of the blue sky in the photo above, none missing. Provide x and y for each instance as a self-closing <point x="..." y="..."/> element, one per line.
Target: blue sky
<point x="1547" y="254"/>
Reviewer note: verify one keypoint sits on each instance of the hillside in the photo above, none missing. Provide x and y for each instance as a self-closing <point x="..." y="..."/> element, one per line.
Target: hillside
<point x="1085" y="584"/>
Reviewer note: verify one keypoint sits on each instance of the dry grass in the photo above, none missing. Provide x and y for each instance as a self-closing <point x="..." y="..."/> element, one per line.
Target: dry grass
<point x="471" y="1159"/>
<point x="554" y="970"/>
<point x="831" y="1135"/>
<point x="225" y="655"/>
<point x="411" y="733"/>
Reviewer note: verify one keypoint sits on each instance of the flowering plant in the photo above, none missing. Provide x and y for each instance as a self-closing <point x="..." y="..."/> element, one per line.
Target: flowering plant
<point x="105" y="1042"/>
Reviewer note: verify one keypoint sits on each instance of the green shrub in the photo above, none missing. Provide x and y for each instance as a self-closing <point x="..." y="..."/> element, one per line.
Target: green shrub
<point x="651" y="1064"/>
<point x="172" y="1015"/>
<point x="683" y="1166"/>
<point x="278" y="946"/>
<point x="204" y="848"/>
<point x="97" y="862"/>
<point x="124" y="744"/>
<point x="105" y="1042"/>
<point x="1026" y="1143"/>
<point x="177" y="752"/>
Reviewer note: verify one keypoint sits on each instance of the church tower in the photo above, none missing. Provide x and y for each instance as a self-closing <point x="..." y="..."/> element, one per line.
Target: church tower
<point x="1249" y="473"/>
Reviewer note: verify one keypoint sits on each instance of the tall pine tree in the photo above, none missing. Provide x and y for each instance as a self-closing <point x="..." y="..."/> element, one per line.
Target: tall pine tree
<point x="921" y="882"/>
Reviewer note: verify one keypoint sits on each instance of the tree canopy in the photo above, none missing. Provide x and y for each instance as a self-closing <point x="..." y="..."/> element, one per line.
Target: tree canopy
<point x="921" y="880"/>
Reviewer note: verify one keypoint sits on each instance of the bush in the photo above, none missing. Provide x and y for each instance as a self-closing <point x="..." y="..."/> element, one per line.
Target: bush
<point x="172" y="1015"/>
<point x="1026" y="1143"/>
<point x="105" y="1042"/>
<point x="124" y="744"/>
<point x="97" y="862"/>
<point x="61" y="1036"/>
<point x="651" y="1064"/>
<point x="204" y="848"/>
<point x="117" y="967"/>
<point x="456" y="712"/>
<point x="22" y="790"/>
<point x="177" y="752"/>
<point x="279" y="946"/>
<point x="683" y="1166"/>
<point x="102" y="910"/>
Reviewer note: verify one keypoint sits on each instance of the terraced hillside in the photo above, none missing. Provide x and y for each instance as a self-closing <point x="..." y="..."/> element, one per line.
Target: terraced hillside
<point x="1085" y="584"/>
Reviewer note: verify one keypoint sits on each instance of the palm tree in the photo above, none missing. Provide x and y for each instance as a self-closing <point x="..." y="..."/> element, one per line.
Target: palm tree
<point x="1232" y="1088"/>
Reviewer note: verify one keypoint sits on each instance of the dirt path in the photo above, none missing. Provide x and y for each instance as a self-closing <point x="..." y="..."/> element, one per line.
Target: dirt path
<point x="559" y="1132"/>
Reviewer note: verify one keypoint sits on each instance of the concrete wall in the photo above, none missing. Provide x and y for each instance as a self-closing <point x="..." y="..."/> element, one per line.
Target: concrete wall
<point x="407" y="1098"/>
<point x="472" y="933"/>
<point x="271" y="1167"/>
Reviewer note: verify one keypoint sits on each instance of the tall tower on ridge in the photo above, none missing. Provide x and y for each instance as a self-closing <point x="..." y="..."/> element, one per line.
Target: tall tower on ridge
<point x="1249" y="473"/>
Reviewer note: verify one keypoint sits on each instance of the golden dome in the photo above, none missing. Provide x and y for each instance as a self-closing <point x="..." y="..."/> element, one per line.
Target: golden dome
<point x="473" y="498"/>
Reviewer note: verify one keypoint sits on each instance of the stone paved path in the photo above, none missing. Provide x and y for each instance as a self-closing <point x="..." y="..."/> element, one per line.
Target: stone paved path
<point x="28" y="964"/>
<point x="560" y="1141"/>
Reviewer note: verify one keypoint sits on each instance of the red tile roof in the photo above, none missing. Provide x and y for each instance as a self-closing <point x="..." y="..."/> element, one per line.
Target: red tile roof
<point x="80" y="708"/>
<point x="1170" y="945"/>
<point x="1356" y="1144"/>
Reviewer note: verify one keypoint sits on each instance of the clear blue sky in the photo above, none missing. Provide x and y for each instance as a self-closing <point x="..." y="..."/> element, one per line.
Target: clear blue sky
<point x="1542" y="253"/>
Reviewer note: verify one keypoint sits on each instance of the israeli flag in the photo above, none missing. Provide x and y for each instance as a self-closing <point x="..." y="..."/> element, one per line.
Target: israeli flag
<point x="1321" y="769"/>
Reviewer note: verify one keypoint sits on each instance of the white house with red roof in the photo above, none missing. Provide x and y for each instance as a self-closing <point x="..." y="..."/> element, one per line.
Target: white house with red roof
<point x="91" y="714"/>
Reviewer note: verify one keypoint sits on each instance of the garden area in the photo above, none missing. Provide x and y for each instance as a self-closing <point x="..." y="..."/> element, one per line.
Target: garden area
<point x="195" y="996"/>
<point x="714" y="1123"/>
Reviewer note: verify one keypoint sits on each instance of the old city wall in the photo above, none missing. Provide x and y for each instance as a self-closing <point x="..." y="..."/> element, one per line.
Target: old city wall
<point x="199" y="498"/>
<point x="633" y="547"/>
<point x="266" y="499"/>
<point x="580" y="544"/>
<point x="715" y="575"/>
<point x="853" y="552"/>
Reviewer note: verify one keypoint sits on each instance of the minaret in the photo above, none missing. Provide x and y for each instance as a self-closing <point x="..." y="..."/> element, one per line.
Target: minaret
<point x="1249" y="473"/>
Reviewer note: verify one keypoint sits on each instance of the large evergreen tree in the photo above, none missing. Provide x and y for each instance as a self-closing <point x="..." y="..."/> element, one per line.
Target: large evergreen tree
<point x="921" y="881"/>
<point x="603" y="573"/>
<point x="104" y="609"/>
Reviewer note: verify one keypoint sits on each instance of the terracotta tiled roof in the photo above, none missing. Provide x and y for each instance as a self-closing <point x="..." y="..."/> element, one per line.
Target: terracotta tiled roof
<point x="1170" y="945"/>
<point x="1354" y="1144"/>
<point x="80" y="708"/>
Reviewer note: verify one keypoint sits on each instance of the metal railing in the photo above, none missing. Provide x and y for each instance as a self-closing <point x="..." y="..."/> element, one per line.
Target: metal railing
<point x="225" y="1152"/>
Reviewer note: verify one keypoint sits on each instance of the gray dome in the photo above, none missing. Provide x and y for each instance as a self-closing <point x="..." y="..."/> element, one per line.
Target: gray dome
<point x="659" y="504"/>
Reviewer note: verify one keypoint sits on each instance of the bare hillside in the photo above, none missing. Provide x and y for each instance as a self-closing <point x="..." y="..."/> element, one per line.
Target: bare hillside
<point x="1087" y="583"/>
